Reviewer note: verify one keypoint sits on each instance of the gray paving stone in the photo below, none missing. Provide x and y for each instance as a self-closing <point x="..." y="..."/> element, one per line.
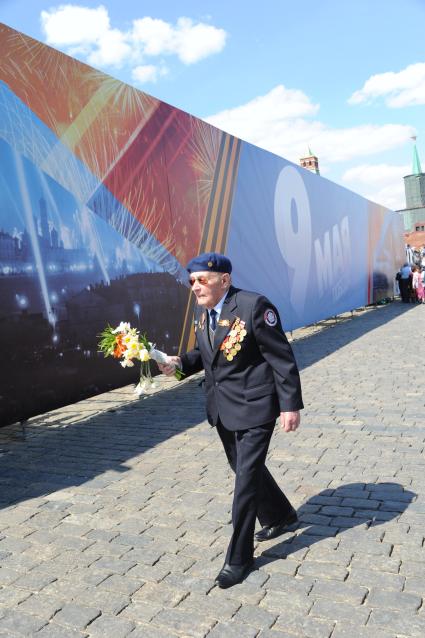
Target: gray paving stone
<point x="411" y="569"/>
<point x="122" y="584"/>
<point x="394" y="600"/>
<point x="318" y="628"/>
<point x="395" y="621"/>
<point x="189" y="583"/>
<point x="288" y="567"/>
<point x="102" y="535"/>
<point x="281" y="582"/>
<point x="372" y="578"/>
<point x="147" y="556"/>
<point x="115" y="565"/>
<point x="41" y="605"/>
<point x="17" y="622"/>
<point x="34" y="581"/>
<point x="274" y="601"/>
<point x="335" y="590"/>
<point x="151" y="631"/>
<point x="273" y="633"/>
<point x="233" y="630"/>
<point x="76" y="616"/>
<point x="318" y="569"/>
<point x="10" y="596"/>
<point x="376" y="563"/>
<point x="291" y="621"/>
<point x="141" y="611"/>
<point x="258" y="578"/>
<point x="361" y="503"/>
<point x="109" y="602"/>
<point x="4" y="553"/>
<point x="210" y="606"/>
<point x="160" y="593"/>
<point x="339" y="611"/>
<point x="110" y="627"/>
<point x="255" y="616"/>
<point x="8" y="576"/>
<point x="245" y="593"/>
<point x="14" y="545"/>
<point x="414" y="585"/>
<point x="66" y="589"/>
<point x="354" y="631"/>
<point x="192" y="625"/>
<point x="53" y="630"/>
<point x="154" y="573"/>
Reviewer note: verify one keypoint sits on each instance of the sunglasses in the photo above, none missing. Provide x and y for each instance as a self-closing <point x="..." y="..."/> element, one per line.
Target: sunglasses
<point x="204" y="281"/>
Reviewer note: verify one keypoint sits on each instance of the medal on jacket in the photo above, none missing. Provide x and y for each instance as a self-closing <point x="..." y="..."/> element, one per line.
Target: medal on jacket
<point x="201" y="321"/>
<point x="231" y="344"/>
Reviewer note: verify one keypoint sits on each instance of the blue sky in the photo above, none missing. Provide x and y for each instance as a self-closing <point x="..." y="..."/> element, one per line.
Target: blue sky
<point x="345" y="78"/>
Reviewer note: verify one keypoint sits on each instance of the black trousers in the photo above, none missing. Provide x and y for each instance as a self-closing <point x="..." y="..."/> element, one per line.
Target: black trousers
<point x="405" y="289"/>
<point x="256" y="492"/>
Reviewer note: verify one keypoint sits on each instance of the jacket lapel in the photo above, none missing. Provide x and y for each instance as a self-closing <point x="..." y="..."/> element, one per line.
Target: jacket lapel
<point x="226" y="319"/>
<point x="202" y="333"/>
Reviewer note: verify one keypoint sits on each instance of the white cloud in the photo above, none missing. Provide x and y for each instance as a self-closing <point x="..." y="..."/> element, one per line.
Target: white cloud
<point x="70" y="24"/>
<point x="279" y="104"/>
<point x="112" y="49"/>
<point x="190" y="42"/>
<point x="197" y="41"/>
<point x="87" y="32"/>
<point x="381" y="183"/>
<point x="156" y="35"/>
<point x="376" y="174"/>
<point x="147" y="73"/>
<point x="338" y="145"/>
<point x="404" y="88"/>
<point x="278" y="122"/>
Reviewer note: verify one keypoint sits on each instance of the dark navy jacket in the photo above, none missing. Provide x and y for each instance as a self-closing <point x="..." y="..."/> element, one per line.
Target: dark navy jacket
<point x="261" y="380"/>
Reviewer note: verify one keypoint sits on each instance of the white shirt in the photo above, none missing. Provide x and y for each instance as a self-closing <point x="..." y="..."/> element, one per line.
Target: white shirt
<point x="218" y="308"/>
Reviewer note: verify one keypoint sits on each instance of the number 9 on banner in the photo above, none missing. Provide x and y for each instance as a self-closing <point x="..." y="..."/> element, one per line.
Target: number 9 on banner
<point x="293" y="233"/>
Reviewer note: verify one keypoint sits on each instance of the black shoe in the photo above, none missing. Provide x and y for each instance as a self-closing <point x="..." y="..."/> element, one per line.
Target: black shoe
<point x="232" y="574"/>
<point x="272" y="531"/>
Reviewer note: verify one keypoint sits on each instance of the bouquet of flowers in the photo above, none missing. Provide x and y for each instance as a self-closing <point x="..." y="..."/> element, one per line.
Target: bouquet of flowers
<point x="126" y="343"/>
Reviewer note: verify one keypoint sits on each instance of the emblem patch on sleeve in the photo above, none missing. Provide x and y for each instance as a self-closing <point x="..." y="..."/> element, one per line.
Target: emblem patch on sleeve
<point x="270" y="317"/>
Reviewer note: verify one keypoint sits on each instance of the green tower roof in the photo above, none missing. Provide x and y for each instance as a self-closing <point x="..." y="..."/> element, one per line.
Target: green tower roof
<point x="416" y="170"/>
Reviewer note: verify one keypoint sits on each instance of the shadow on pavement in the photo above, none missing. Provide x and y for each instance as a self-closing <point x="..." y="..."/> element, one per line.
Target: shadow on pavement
<point x="94" y="452"/>
<point x="334" y="511"/>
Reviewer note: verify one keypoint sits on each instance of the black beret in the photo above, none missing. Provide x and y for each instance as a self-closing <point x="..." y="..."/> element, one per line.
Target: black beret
<point x="212" y="262"/>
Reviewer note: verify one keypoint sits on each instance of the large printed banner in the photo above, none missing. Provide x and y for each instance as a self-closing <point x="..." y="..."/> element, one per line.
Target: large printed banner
<point x="315" y="248"/>
<point x="107" y="192"/>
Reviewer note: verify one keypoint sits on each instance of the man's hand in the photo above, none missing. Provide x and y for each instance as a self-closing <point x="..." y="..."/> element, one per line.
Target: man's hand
<point x="290" y="421"/>
<point x="169" y="368"/>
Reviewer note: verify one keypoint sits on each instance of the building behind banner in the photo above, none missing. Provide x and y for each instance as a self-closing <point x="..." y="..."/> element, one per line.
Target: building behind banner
<point x="107" y="192"/>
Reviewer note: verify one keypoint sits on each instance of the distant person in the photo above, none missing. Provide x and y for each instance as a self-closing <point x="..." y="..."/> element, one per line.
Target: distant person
<point x="409" y="254"/>
<point x="404" y="282"/>
<point x="417" y="285"/>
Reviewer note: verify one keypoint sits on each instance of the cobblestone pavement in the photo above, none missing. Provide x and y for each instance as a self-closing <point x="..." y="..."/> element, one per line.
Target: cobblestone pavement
<point x="114" y="512"/>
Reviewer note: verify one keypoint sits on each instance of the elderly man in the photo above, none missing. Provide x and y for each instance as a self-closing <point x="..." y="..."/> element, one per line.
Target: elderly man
<point x="251" y="378"/>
